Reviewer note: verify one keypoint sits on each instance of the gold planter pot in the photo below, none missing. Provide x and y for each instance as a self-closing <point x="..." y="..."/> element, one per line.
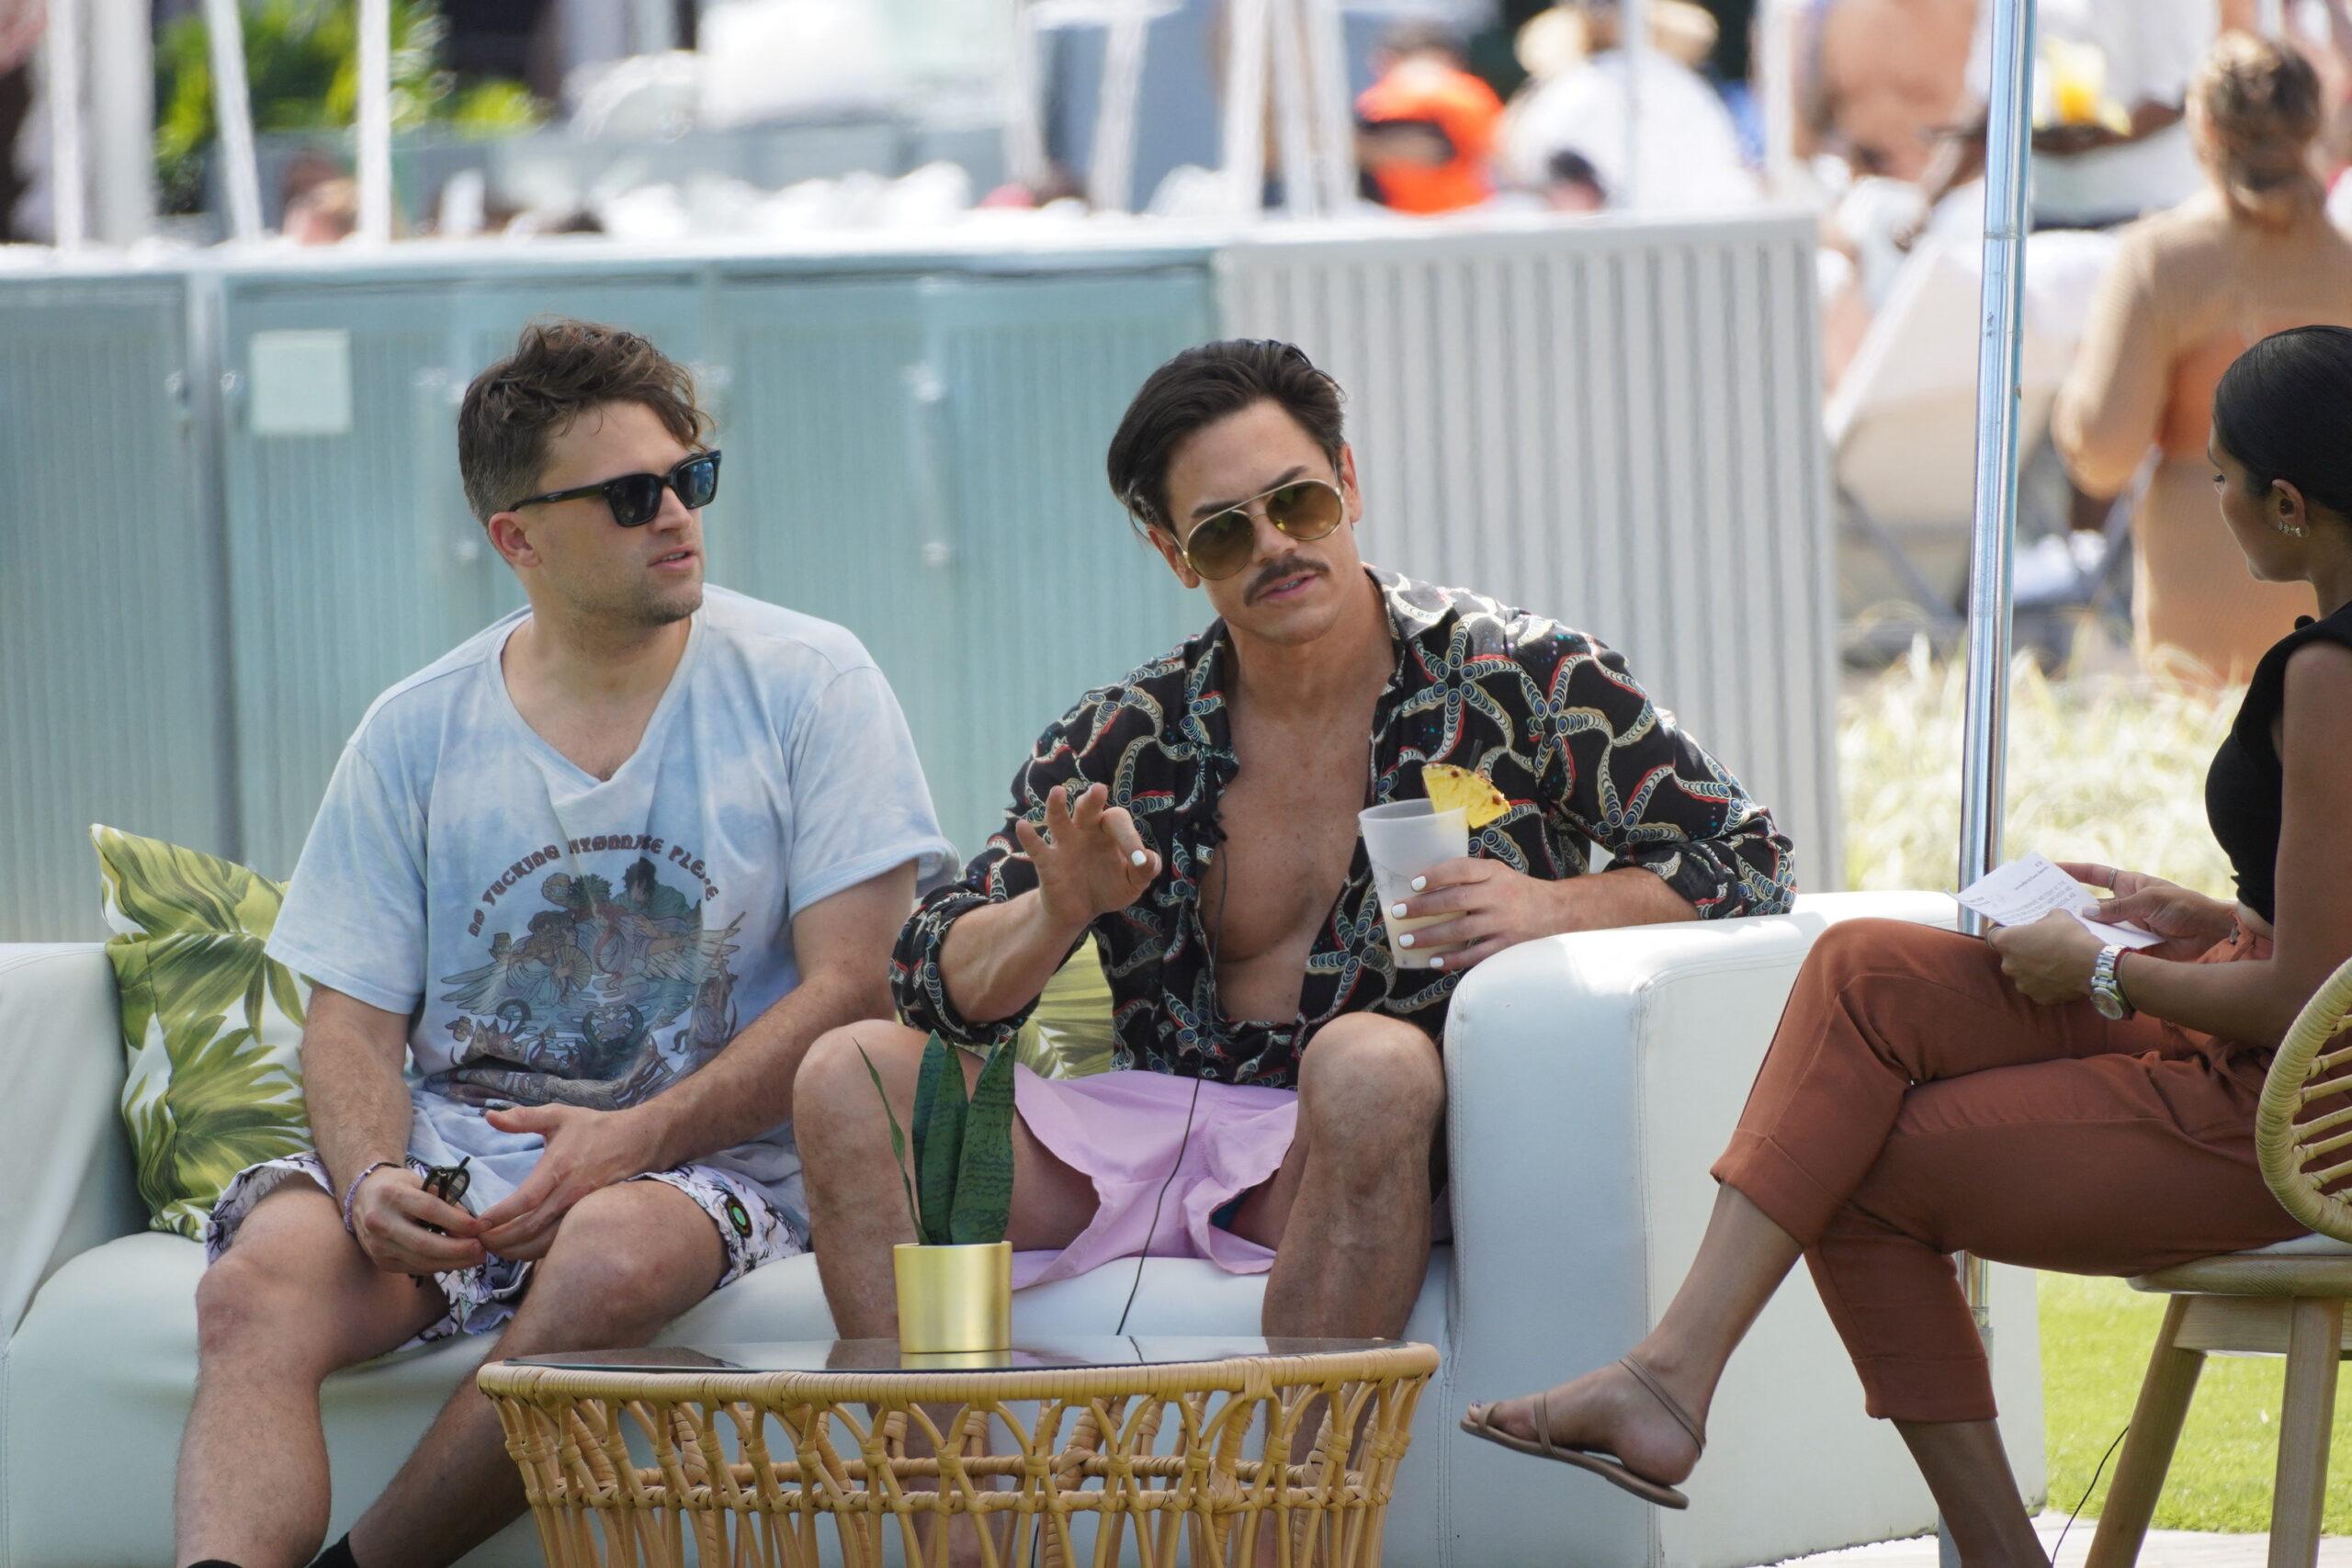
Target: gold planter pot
<point x="953" y="1298"/>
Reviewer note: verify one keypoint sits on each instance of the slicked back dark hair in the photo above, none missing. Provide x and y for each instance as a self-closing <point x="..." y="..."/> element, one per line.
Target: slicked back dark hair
<point x="560" y="368"/>
<point x="2283" y="409"/>
<point x="1200" y="386"/>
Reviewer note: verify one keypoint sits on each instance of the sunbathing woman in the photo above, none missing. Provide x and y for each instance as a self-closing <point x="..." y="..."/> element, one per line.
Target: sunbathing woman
<point x="2033" y="1098"/>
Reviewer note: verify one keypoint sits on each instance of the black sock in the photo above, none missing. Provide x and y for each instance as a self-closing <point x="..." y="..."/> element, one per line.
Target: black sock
<point x="336" y="1556"/>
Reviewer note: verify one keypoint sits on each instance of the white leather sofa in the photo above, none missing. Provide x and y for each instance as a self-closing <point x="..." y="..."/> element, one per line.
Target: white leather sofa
<point x="1593" y="1080"/>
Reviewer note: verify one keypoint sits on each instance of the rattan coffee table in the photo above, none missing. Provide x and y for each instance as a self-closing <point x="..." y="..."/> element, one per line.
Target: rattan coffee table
<point x="1151" y="1452"/>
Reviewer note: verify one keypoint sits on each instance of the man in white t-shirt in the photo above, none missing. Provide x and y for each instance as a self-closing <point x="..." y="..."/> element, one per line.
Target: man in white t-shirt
<point x="599" y="876"/>
<point x="2110" y="82"/>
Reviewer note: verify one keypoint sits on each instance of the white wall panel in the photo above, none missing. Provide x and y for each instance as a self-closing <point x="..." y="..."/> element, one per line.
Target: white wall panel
<point x="113" y="679"/>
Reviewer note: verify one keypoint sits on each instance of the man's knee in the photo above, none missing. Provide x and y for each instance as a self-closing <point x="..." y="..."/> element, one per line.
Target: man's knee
<point x="265" y="1304"/>
<point x="1372" y="1077"/>
<point x="240" y="1304"/>
<point x="832" y="1092"/>
<point x="631" y="1255"/>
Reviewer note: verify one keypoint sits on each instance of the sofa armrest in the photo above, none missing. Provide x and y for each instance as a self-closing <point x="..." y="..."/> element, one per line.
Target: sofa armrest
<point x="64" y="1159"/>
<point x="1543" y="1039"/>
<point x="1592" y="1079"/>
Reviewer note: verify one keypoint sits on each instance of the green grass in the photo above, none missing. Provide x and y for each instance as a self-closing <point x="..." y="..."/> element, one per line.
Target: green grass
<point x="2101" y="768"/>
<point x="2111" y="769"/>
<point x="2094" y="1340"/>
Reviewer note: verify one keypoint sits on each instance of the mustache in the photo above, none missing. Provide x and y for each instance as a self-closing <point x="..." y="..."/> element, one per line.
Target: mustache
<point x="1289" y="566"/>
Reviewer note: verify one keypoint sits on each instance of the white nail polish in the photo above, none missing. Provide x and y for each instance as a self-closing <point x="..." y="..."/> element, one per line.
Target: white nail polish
<point x="1438" y="963"/>
<point x="1419" y="883"/>
<point x="1406" y="939"/>
<point x="1397" y="911"/>
<point x="1138" y="858"/>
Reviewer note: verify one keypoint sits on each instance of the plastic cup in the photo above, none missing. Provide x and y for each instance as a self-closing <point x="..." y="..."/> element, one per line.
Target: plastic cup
<point x="1402" y="839"/>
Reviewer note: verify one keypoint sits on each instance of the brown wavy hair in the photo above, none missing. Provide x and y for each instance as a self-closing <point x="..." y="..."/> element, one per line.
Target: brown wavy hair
<point x="2260" y="103"/>
<point x="560" y="368"/>
<point x="1200" y="386"/>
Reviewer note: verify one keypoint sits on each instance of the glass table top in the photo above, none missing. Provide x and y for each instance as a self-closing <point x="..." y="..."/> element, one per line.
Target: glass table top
<point x="1056" y="1353"/>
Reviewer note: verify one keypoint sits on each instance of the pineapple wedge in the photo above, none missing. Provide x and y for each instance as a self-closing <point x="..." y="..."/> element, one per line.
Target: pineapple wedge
<point x="1448" y="787"/>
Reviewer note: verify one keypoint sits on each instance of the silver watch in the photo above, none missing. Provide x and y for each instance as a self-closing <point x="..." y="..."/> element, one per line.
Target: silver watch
<point x="2107" y="985"/>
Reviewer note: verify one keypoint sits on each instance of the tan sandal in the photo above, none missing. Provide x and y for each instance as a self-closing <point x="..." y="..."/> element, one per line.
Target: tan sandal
<point x="1479" y="1423"/>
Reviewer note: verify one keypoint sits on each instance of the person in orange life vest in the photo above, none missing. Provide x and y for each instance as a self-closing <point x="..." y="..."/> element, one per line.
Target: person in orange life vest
<point x="1426" y="128"/>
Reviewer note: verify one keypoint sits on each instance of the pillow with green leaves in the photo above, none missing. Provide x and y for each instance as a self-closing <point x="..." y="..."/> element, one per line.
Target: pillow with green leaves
<point x="212" y="1028"/>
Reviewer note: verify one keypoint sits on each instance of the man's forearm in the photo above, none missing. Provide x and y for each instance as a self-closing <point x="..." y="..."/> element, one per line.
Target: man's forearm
<point x="357" y="1102"/>
<point x="747" y="1089"/>
<point x="1621" y="895"/>
<point x="996" y="960"/>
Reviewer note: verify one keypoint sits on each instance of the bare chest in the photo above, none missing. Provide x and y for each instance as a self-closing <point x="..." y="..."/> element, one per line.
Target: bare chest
<point x="1289" y="818"/>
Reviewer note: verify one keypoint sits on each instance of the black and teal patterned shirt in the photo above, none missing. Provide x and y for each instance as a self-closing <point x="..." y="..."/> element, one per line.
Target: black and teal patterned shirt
<point x="1549" y="716"/>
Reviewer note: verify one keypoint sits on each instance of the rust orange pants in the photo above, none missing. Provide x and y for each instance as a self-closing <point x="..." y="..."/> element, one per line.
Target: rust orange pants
<point x="1913" y="1105"/>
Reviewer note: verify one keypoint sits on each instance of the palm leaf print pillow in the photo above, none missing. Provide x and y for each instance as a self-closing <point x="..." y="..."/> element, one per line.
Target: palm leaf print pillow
<point x="211" y="1027"/>
<point x="1069" y="1034"/>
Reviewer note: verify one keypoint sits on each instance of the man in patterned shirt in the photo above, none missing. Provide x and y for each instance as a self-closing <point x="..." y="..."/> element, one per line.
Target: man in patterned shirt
<point x="1197" y="819"/>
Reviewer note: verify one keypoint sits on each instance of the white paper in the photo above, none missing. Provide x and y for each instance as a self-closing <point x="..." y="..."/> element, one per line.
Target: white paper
<point x="2024" y="890"/>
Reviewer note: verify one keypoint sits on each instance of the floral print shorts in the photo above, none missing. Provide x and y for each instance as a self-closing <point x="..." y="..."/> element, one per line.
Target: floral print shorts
<point x="753" y="1230"/>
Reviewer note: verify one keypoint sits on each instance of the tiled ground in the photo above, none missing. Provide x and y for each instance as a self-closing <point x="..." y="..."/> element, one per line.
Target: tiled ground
<point x="2164" y="1549"/>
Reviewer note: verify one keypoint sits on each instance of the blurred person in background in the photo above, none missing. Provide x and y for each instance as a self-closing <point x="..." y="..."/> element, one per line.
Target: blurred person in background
<point x="1572" y="185"/>
<point x="24" y="142"/>
<point x="1685" y="151"/>
<point x="2188" y="291"/>
<point x="1426" y="128"/>
<point x="1879" y="78"/>
<point x="326" y="213"/>
<point x="1878" y="81"/>
<point x="2110" y="85"/>
<point x="308" y="167"/>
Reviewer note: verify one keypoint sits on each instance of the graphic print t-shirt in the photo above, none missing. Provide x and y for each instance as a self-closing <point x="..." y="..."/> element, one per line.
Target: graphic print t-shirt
<point x="561" y="939"/>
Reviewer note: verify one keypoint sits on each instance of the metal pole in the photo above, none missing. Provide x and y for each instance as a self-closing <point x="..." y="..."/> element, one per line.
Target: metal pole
<point x="1335" y="119"/>
<point x="376" y="121"/>
<point x="1778" y="25"/>
<point x="68" y="174"/>
<point x="1110" y="180"/>
<point x="1245" y="106"/>
<point x="233" y="113"/>
<point x="122" y="119"/>
<point x="1024" y="133"/>
<point x="653" y="27"/>
<point x="1634" y="43"/>
<point x="1302" y="184"/>
<point x="2000" y="313"/>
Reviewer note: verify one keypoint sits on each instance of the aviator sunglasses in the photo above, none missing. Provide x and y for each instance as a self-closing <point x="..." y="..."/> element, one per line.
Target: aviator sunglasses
<point x="636" y="498"/>
<point x="1221" y="543"/>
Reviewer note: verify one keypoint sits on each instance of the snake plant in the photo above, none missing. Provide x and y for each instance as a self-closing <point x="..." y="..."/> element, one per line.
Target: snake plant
<point x="961" y="1165"/>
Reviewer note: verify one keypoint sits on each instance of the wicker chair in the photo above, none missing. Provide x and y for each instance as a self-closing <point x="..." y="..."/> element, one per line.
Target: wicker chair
<point x="2288" y="1298"/>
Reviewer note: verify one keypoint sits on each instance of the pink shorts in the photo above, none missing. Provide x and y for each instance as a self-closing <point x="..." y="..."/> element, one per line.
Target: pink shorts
<point x="1124" y="1131"/>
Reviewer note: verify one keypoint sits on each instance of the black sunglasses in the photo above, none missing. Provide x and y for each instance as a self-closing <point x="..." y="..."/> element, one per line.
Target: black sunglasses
<point x="448" y="1182"/>
<point x="636" y="498"/>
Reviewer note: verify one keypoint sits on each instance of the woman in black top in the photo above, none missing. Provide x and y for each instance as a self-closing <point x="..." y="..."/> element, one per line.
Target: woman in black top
<point x="2033" y="1098"/>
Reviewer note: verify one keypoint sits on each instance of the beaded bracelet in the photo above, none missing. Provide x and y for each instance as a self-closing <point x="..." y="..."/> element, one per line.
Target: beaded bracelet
<point x="351" y="1193"/>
